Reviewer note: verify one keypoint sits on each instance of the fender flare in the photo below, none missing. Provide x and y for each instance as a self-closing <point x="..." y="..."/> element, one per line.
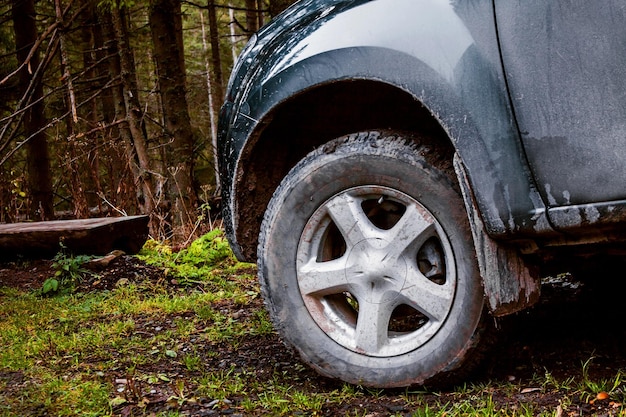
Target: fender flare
<point x="472" y="108"/>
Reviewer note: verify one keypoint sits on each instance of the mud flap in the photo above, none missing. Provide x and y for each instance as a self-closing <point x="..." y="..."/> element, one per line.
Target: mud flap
<point x="509" y="284"/>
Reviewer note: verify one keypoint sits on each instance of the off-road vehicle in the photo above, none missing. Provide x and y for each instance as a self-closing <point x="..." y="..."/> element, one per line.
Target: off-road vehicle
<point x="406" y="170"/>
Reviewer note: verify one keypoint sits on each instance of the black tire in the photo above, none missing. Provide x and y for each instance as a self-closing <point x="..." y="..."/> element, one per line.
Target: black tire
<point x="367" y="266"/>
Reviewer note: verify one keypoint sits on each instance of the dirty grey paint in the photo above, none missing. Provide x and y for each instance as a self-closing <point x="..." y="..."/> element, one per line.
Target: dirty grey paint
<point x="456" y="73"/>
<point x="566" y="70"/>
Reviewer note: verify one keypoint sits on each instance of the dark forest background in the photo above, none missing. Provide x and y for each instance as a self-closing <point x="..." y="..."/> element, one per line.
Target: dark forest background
<point x="109" y="107"/>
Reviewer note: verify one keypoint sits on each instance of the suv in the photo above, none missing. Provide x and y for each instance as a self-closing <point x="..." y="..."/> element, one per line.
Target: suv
<point x="403" y="170"/>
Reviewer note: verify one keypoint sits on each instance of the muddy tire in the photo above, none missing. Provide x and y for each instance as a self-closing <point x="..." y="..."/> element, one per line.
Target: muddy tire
<point x="367" y="265"/>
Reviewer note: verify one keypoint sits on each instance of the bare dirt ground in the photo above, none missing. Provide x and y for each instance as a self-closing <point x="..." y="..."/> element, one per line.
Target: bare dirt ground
<point x="571" y="324"/>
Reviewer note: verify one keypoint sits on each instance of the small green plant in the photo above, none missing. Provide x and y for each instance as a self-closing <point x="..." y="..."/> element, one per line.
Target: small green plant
<point x="591" y="387"/>
<point x="69" y="271"/>
<point x="550" y="382"/>
<point x="180" y="393"/>
<point x="192" y="362"/>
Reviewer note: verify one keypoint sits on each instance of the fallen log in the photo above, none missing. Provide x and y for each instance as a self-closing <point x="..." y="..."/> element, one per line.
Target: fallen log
<point x="97" y="236"/>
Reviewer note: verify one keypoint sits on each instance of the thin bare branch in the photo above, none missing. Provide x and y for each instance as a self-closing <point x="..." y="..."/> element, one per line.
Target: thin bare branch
<point x="50" y="29"/>
<point x="28" y="94"/>
<point x="224" y="6"/>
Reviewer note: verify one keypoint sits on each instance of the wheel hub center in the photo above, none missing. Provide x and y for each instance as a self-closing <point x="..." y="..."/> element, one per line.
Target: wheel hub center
<point x="379" y="272"/>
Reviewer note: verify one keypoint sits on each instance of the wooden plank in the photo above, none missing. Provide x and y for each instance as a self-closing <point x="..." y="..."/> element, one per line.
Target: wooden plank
<point x="97" y="236"/>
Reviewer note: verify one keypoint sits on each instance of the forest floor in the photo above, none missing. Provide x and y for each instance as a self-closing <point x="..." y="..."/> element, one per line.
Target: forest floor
<point x="574" y="335"/>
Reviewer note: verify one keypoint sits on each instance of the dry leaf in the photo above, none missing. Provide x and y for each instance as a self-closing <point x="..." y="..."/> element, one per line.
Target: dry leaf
<point x="559" y="411"/>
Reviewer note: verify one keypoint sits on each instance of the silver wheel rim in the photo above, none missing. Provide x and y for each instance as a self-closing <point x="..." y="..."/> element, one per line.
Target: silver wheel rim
<point x="376" y="271"/>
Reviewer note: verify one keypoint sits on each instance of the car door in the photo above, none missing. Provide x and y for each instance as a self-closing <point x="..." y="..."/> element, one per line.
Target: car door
<point x="565" y="64"/>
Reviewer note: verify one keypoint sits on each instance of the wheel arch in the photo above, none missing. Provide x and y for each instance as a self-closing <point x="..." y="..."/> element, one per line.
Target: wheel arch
<point x="343" y="91"/>
<point x="293" y="129"/>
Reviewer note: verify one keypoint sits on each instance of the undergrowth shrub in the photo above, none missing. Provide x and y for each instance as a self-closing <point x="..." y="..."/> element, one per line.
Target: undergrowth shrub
<point x="202" y="259"/>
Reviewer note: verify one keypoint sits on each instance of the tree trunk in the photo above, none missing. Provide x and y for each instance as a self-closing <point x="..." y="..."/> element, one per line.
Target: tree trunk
<point x="277" y="6"/>
<point x="260" y="12"/>
<point x="252" y="20"/>
<point x="123" y="172"/>
<point x="72" y="165"/>
<point x="92" y="49"/>
<point x="233" y="34"/>
<point x="217" y="78"/>
<point x="129" y="110"/>
<point x="213" y="111"/>
<point x="168" y="53"/>
<point x="38" y="159"/>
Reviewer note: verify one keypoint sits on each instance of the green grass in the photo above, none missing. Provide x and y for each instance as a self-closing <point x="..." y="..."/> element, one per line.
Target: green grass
<point x="103" y="353"/>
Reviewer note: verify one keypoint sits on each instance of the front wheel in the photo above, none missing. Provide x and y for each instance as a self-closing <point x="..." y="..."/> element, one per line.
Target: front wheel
<point x="367" y="265"/>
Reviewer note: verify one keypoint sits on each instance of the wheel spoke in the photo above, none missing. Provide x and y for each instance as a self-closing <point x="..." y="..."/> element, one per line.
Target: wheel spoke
<point x="411" y="231"/>
<point x="346" y="212"/>
<point x="322" y="278"/>
<point x="372" y="327"/>
<point x="431" y="299"/>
